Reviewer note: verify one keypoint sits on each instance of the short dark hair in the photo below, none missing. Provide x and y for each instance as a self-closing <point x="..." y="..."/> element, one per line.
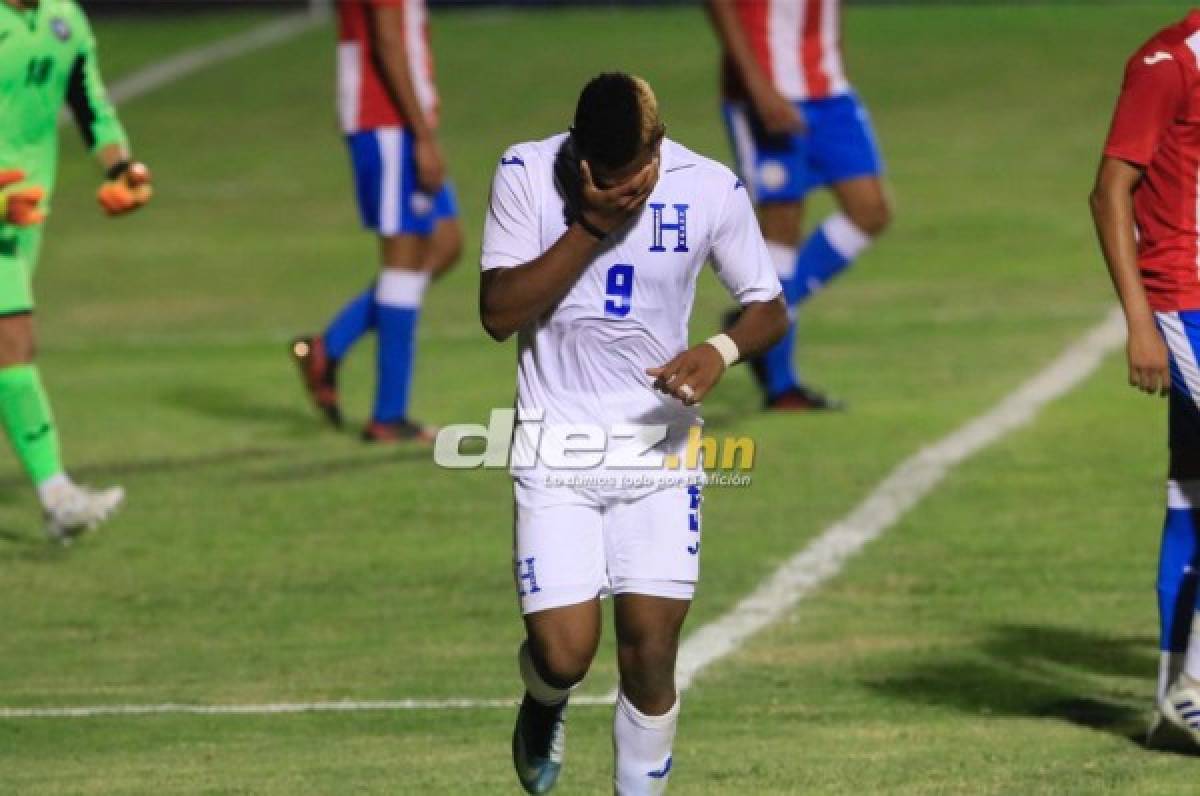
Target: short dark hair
<point x="614" y="113"/>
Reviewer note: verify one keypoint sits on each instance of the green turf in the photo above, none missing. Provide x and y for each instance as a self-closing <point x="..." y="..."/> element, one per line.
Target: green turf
<point x="999" y="640"/>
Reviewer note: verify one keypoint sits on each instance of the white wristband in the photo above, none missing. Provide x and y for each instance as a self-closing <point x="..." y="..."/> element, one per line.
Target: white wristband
<point x="725" y="347"/>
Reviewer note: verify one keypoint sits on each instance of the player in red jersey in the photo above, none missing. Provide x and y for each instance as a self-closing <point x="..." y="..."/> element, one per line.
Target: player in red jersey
<point x="388" y="109"/>
<point x="1146" y="205"/>
<point x="796" y="124"/>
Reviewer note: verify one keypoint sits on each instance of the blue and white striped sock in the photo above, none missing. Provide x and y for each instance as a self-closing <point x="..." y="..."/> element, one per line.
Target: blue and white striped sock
<point x="354" y="320"/>
<point x="827" y="252"/>
<point x="398" y="297"/>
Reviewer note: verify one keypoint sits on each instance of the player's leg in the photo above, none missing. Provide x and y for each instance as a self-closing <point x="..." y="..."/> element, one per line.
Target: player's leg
<point x="318" y="356"/>
<point x="647" y="711"/>
<point x="407" y="219"/>
<point x="781" y="223"/>
<point x="776" y="175"/>
<point x="653" y="560"/>
<point x="842" y="155"/>
<point x="25" y="408"/>
<point x="1179" y="559"/>
<point x="559" y="574"/>
<point x="446" y="243"/>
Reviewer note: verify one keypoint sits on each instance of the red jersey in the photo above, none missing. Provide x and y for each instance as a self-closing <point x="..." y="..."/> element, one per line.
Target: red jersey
<point x="1157" y="127"/>
<point x="797" y="43"/>
<point x="363" y="99"/>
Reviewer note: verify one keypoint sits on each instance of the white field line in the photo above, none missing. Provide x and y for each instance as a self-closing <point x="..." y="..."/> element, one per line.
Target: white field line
<point x="184" y="64"/>
<point x="274" y="708"/>
<point x="821" y="560"/>
<point x="914" y="478"/>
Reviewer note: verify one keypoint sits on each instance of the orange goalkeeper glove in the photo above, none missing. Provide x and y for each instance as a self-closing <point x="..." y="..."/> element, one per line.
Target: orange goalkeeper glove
<point x="126" y="189"/>
<point x="19" y="206"/>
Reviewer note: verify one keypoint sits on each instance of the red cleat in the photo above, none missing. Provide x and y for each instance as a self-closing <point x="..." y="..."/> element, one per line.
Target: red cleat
<point x="399" y="431"/>
<point x="803" y="399"/>
<point x="319" y="375"/>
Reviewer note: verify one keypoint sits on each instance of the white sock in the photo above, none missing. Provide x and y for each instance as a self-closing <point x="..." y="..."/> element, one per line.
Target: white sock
<point x="1191" y="664"/>
<point x="1170" y="664"/>
<point x="643" y="749"/>
<point x="50" y="486"/>
<point x="784" y="258"/>
<point x="538" y="688"/>
<point x="401" y="288"/>
<point x="844" y="237"/>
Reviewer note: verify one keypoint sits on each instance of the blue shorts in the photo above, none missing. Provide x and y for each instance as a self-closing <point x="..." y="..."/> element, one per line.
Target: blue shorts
<point x="837" y="145"/>
<point x="390" y="201"/>
<point x="1181" y="330"/>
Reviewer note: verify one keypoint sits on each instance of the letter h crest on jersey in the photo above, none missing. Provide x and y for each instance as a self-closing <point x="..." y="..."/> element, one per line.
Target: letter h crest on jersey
<point x="679" y="227"/>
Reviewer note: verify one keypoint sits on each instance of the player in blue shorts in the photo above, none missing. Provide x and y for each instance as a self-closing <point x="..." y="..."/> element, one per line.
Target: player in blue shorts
<point x="388" y="109"/>
<point x="796" y="124"/>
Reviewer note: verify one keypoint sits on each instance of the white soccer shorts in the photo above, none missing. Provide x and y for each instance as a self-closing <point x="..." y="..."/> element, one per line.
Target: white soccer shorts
<point x="569" y="548"/>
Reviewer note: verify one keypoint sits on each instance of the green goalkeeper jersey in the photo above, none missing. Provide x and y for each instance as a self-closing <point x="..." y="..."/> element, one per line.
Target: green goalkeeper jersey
<point x="48" y="59"/>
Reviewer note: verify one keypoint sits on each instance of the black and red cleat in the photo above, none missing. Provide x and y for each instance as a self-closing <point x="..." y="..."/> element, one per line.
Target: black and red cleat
<point x="319" y="374"/>
<point x="803" y="399"/>
<point x="399" y="431"/>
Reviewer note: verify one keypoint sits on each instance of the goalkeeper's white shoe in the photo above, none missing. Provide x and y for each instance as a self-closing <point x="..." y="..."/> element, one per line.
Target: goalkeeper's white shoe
<point x="72" y="509"/>
<point x="1181" y="707"/>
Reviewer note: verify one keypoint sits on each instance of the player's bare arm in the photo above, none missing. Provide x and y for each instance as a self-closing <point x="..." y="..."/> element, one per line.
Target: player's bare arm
<point x="778" y="114"/>
<point x="691" y="375"/>
<point x="387" y="29"/>
<point x="1112" y="211"/>
<point x="510" y="298"/>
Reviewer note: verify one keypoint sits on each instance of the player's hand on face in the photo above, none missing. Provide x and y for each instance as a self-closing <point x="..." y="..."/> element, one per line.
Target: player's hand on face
<point x="778" y="114"/>
<point x="431" y="167"/>
<point x="609" y="208"/>
<point x="1149" y="366"/>
<point x="126" y="192"/>
<point x="691" y="375"/>
<point x="20" y="206"/>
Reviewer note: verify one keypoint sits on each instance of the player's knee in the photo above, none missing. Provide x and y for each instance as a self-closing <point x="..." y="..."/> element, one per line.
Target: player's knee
<point x="446" y="249"/>
<point x="563" y="659"/>
<point x="649" y="660"/>
<point x="871" y="217"/>
<point x="564" y="666"/>
<point x="781" y="222"/>
<point x="17" y="344"/>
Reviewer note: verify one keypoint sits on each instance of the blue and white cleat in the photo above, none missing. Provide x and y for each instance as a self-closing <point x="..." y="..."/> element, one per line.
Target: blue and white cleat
<point x="1181" y="707"/>
<point x="539" y="740"/>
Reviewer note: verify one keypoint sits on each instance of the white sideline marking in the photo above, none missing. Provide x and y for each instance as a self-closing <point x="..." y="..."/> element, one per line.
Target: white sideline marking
<point x="191" y="61"/>
<point x="911" y="480"/>
<point x="153" y="77"/>
<point x="821" y="560"/>
<point x="274" y="708"/>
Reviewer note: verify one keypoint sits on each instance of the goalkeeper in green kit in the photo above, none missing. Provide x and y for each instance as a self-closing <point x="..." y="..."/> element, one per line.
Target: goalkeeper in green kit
<point x="48" y="59"/>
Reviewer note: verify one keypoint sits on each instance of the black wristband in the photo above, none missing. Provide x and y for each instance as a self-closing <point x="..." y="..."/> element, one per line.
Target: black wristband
<point x="590" y="228"/>
<point x="118" y="169"/>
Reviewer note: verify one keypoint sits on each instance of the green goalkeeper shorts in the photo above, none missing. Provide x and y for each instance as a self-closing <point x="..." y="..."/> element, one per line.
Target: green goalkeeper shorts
<point x="18" y="259"/>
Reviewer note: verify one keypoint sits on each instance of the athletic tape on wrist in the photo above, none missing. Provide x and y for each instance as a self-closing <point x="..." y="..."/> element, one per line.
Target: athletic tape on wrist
<point x="725" y="347"/>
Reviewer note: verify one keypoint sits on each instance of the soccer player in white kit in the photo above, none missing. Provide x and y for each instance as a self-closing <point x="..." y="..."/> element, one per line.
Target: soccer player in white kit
<point x="593" y="243"/>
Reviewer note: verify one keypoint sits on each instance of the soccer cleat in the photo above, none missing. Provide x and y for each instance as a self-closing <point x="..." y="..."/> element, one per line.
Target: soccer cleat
<point x="803" y="399"/>
<point x="319" y="375"/>
<point x="399" y="431"/>
<point x="1164" y="736"/>
<point x="72" y="510"/>
<point x="1181" y="707"/>
<point x="539" y="740"/>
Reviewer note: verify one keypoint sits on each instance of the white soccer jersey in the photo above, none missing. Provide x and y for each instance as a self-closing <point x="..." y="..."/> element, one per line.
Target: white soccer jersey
<point x="585" y="362"/>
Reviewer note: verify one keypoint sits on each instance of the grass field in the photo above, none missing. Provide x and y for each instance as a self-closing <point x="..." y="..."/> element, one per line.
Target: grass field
<point x="1000" y="639"/>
